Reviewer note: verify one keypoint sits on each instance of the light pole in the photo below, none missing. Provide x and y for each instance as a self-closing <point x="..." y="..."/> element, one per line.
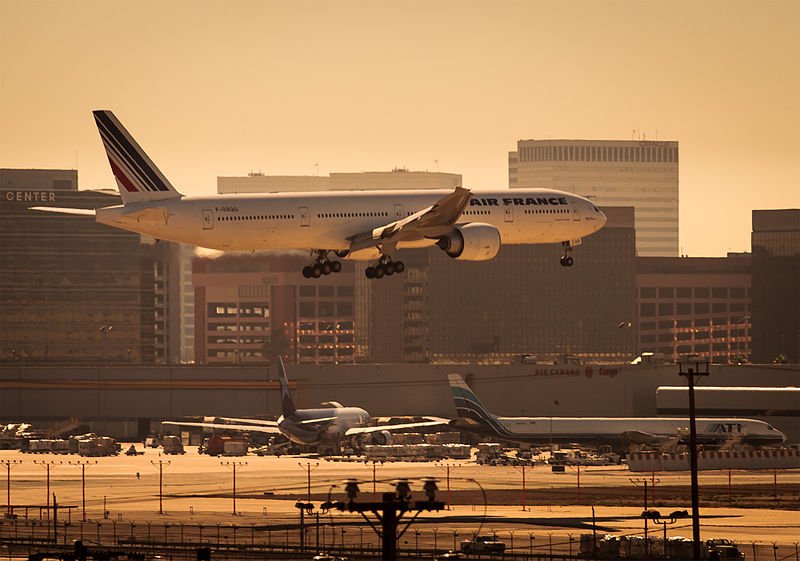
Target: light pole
<point x="672" y="518"/>
<point x="234" y="465"/>
<point x="9" y="464"/>
<point x="308" y="467"/>
<point x="47" y="464"/>
<point x="691" y="367"/>
<point x="160" y="465"/>
<point x="83" y="464"/>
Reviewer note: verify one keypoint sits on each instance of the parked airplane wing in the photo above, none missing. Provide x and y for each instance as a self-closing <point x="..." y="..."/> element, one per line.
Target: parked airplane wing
<point x="244" y="428"/>
<point x="253" y="421"/>
<point x="641" y="437"/>
<point x="435" y="220"/>
<point x="380" y="428"/>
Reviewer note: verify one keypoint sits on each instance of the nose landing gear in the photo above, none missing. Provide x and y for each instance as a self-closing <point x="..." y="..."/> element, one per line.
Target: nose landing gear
<point x="566" y="260"/>
<point x="321" y="266"/>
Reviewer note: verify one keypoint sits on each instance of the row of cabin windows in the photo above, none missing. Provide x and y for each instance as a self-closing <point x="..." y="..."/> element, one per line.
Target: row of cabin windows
<point x="256" y="217"/>
<point x="546" y="210"/>
<point x="350" y="214"/>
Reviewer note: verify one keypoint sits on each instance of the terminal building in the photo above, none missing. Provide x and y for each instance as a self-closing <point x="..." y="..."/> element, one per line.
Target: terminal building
<point x="71" y="290"/>
<point x="638" y="173"/>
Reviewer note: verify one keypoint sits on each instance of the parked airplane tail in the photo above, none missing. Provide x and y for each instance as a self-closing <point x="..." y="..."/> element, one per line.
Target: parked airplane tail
<point x="287" y="403"/>
<point x="138" y="178"/>
<point x="467" y="403"/>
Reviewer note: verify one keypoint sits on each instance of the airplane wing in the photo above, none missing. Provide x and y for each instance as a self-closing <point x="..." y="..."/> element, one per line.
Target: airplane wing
<point x="433" y="221"/>
<point x="243" y="428"/>
<point x="380" y="428"/>
<point x="61" y="210"/>
<point x="641" y="437"/>
<point x="253" y="421"/>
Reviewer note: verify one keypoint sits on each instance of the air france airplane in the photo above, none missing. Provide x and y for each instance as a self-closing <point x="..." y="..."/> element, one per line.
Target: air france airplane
<point x="327" y="425"/>
<point x="362" y="225"/>
<point x="616" y="431"/>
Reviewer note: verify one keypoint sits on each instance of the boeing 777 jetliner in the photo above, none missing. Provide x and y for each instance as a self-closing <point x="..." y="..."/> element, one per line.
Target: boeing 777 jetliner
<point x="365" y="225"/>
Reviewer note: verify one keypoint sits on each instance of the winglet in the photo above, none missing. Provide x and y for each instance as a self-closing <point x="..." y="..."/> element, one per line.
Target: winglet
<point x="467" y="403"/>
<point x="287" y="403"/>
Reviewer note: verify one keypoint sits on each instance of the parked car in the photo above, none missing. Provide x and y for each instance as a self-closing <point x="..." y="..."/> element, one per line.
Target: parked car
<point x="483" y="544"/>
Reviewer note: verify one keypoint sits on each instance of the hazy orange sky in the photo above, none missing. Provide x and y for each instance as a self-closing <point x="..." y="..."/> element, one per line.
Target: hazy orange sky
<point x="223" y="88"/>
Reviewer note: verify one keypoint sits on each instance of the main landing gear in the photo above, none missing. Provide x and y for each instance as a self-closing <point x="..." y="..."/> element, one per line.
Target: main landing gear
<point x="322" y="266"/>
<point x="566" y="260"/>
<point x="384" y="267"/>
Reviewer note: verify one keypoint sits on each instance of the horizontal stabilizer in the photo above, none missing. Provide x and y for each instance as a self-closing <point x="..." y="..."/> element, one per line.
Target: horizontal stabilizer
<point x="60" y="210"/>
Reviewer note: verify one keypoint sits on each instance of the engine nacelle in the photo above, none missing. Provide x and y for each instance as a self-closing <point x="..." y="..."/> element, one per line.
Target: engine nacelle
<point x="383" y="437"/>
<point x="471" y="242"/>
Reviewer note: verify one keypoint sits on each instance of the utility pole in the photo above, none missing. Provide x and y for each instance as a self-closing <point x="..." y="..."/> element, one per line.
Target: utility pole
<point x="9" y="464"/>
<point x="692" y="367"/>
<point x="83" y="464"/>
<point x="234" y="465"/>
<point x="160" y="465"/>
<point x="522" y="496"/>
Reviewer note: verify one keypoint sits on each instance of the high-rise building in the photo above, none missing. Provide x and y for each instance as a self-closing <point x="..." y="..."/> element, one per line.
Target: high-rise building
<point x="694" y="305"/>
<point x="398" y="178"/>
<point x="250" y="308"/>
<point x="776" y="285"/>
<point x="71" y="290"/>
<point x="641" y="174"/>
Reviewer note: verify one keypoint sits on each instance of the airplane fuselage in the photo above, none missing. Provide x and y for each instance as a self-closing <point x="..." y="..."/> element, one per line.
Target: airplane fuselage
<point x="303" y="428"/>
<point x="326" y="220"/>
<point x="606" y="430"/>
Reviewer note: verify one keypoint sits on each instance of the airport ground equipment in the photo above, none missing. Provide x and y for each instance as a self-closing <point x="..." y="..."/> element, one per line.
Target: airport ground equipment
<point x="389" y="510"/>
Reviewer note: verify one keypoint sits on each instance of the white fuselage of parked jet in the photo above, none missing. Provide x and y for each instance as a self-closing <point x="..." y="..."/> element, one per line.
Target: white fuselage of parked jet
<point x="328" y="219"/>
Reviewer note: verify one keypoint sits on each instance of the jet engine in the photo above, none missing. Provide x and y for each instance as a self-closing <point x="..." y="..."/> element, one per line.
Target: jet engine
<point x="471" y="242"/>
<point x="381" y="437"/>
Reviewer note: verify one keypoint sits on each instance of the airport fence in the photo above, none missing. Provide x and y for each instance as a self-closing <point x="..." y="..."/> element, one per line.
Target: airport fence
<point x="178" y="541"/>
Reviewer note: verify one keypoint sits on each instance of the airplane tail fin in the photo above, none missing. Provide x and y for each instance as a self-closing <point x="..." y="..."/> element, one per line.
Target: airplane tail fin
<point x="467" y="403"/>
<point x="138" y="178"/>
<point x="287" y="403"/>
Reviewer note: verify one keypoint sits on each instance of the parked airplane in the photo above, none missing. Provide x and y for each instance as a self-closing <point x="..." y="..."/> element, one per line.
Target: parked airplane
<point x="326" y="426"/>
<point x="616" y="431"/>
<point x="362" y="225"/>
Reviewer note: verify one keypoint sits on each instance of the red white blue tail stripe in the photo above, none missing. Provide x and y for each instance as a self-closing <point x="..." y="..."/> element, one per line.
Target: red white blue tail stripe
<point x="138" y="179"/>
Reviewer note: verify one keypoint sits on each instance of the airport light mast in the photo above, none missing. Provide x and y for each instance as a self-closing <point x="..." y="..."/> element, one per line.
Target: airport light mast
<point x="389" y="510"/>
<point x="692" y="366"/>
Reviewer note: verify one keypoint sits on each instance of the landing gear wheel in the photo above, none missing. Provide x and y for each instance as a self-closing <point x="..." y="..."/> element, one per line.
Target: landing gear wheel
<point x="326" y="268"/>
<point x="316" y="270"/>
<point x="308" y="271"/>
<point x="370" y="272"/>
<point x="566" y="261"/>
<point x="399" y="266"/>
<point x="379" y="271"/>
<point x="336" y="266"/>
<point x="388" y="268"/>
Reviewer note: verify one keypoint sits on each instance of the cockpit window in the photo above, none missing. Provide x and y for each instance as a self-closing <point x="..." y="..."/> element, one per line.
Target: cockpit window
<point x="595" y="208"/>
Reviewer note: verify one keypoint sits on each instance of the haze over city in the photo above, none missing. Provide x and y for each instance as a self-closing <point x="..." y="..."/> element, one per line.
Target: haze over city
<point x="310" y="88"/>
